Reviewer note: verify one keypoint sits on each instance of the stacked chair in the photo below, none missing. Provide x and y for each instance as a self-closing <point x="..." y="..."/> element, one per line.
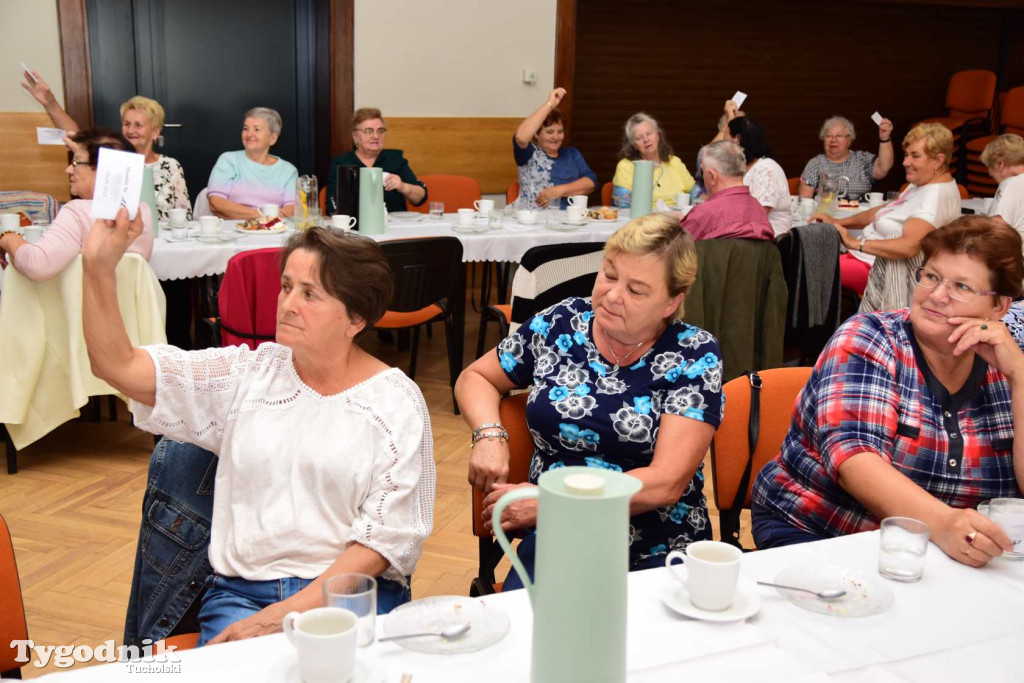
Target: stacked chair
<point x="970" y="98"/>
<point x="1010" y="120"/>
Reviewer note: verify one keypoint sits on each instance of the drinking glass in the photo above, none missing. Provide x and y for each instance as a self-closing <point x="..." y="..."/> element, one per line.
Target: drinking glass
<point x="358" y="594"/>
<point x="1008" y="513"/>
<point x="902" y="546"/>
<point x="437" y="210"/>
<point x="494" y="220"/>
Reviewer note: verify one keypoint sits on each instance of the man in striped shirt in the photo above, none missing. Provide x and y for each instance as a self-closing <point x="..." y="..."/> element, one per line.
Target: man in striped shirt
<point x="729" y="211"/>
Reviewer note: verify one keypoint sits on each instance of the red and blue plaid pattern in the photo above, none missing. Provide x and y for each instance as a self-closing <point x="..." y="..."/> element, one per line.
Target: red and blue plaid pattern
<point x="868" y="394"/>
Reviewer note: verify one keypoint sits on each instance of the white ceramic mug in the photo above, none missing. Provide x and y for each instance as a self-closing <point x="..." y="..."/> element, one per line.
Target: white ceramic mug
<point x="484" y="206"/>
<point x="179" y="217"/>
<point x="210" y="225"/>
<point x="578" y="200"/>
<point x="10" y="221"/>
<point x="712" y="570"/>
<point x="269" y="210"/>
<point x="325" y="638"/>
<point x="682" y="199"/>
<point x="575" y="214"/>
<point x="526" y="217"/>
<point x="874" y="198"/>
<point x="343" y="222"/>
<point x="466" y="217"/>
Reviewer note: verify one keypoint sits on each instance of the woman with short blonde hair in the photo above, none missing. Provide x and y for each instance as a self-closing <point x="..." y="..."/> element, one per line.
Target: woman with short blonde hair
<point x="617" y="381"/>
<point x="1004" y="159"/>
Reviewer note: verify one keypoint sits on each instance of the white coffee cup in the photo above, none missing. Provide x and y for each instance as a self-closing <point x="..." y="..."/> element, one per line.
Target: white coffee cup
<point x="526" y="217"/>
<point x="711" y="573"/>
<point x="575" y="214"/>
<point x="269" y="210"/>
<point x="33" y="233"/>
<point x="325" y="638"/>
<point x="682" y="199"/>
<point x="178" y="217"/>
<point x="484" y="206"/>
<point x="874" y="198"/>
<point x="343" y="222"/>
<point x="384" y="175"/>
<point x="578" y="200"/>
<point x="10" y="221"/>
<point x="210" y="225"/>
<point x="466" y="217"/>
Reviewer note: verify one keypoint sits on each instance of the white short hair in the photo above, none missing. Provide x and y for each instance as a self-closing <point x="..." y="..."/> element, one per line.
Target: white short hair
<point x="726" y="157"/>
<point x="837" y="121"/>
<point x="269" y="115"/>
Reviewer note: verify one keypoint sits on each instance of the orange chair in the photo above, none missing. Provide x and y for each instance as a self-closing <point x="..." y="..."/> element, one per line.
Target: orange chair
<point x="606" y="194"/>
<point x="12" y="612"/>
<point x="1010" y="120"/>
<point x="456" y="191"/>
<point x="969" y="98"/>
<point x="323" y="201"/>
<point x="794" y="185"/>
<point x="512" y="412"/>
<point x="512" y="192"/>
<point x="730" y="447"/>
<point x="182" y="641"/>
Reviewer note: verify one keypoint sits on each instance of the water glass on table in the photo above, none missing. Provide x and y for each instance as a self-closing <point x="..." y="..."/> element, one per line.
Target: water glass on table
<point x="902" y="545"/>
<point x="358" y="594"/>
<point x="1008" y="513"/>
<point x="437" y="210"/>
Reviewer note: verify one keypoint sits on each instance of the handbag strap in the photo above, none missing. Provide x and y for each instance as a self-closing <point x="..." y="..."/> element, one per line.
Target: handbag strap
<point x="730" y="518"/>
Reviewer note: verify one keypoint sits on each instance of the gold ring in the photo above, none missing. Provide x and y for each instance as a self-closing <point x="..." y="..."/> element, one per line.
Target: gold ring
<point x="970" y="537"/>
<point x="967" y="551"/>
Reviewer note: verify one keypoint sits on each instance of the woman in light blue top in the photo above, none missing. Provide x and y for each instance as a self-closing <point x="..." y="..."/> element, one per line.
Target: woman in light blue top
<point x="243" y="180"/>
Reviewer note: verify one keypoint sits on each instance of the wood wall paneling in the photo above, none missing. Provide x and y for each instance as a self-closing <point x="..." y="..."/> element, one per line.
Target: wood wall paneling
<point x="798" y="61"/>
<point x="565" y="58"/>
<point x="342" y="70"/>
<point x="477" y="147"/>
<point x="27" y="165"/>
<point x="74" y="47"/>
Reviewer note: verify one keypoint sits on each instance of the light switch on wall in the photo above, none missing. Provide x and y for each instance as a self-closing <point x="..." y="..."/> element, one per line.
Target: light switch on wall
<point x="529" y="76"/>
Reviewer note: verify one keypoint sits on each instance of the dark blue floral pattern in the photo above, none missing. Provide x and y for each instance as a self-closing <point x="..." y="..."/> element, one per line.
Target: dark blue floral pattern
<point x="585" y="411"/>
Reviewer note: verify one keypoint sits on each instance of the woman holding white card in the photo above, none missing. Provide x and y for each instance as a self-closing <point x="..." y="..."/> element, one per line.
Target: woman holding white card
<point x="62" y="241"/>
<point x="862" y="168"/>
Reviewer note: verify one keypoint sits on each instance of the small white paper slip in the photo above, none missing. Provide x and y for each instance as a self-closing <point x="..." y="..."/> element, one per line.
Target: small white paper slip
<point x="118" y="183"/>
<point x="739" y="98"/>
<point x="50" y="136"/>
<point x="384" y="176"/>
<point x="877" y="118"/>
<point x="28" y="71"/>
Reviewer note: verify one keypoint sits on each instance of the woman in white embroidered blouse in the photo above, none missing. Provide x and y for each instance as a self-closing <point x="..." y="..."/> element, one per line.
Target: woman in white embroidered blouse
<point x="326" y="462"/>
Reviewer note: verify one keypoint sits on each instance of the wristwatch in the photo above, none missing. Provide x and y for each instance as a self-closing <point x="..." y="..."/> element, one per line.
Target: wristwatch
<point x="860" y="244"/>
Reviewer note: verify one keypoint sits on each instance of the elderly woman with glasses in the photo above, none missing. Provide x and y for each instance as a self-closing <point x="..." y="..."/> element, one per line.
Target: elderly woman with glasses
<point x="244" y="180"/>
<point x="63" y="240"/>
<point x="644" y="139"/>
<point x="862" y="168"/>
<point x="368" y="134"/>
<point x="912" y="413"/>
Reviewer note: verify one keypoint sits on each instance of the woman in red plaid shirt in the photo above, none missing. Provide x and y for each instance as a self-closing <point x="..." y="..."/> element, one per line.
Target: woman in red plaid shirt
<point x="911" y="413"/>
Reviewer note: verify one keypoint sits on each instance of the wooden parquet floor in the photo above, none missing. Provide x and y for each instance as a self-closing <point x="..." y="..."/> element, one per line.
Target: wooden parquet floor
<point x="75" y="505"/>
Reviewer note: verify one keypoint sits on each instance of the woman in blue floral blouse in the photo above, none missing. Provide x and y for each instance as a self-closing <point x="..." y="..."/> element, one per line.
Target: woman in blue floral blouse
<point x="617" y="381"/>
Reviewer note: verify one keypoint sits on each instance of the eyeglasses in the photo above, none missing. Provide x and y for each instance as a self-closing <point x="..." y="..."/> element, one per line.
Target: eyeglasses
<point x="75" y="163"/>
<point x="958" y="291"/>
<point x="836" y="137"/>
<point x="373" y="131"/>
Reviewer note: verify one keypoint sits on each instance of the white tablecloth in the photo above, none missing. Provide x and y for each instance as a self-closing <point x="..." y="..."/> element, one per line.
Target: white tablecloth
<point x="180" y="260"/>
<point x="957" y="624"/>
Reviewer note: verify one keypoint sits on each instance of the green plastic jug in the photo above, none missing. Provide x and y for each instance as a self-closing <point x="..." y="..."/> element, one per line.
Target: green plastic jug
<point x="582" y="560"/>
<point x="148" y="197"/>
<point x="642" y="198"/>
<point x="371" y="201"/>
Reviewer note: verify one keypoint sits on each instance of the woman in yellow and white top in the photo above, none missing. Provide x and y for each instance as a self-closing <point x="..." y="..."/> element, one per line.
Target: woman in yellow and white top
<point x="644" y="139"/>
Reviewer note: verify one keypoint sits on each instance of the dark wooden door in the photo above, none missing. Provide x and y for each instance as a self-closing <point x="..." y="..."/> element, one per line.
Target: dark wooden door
<point x="207" y="62"/>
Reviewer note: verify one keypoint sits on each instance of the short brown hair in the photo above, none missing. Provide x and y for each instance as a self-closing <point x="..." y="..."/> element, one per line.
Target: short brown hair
<point x="366" y="114"/>
<point x="992" y="242"/>
<point x="353" y="269"/>
<point x="554" y="116"/>
<point x="93" y="139"/>
<point x="937" y="140"/>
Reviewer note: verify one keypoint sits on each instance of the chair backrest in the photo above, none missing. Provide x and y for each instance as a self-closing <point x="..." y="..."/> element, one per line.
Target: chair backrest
<point x="1011" y="114"/>
<point x="323" y="201"/>
<point x="38" y="206"/>
<point x="456" y="191"/>
<point x="550" y="273"/>
<point x="202" y="205"/>
<point x="794" y="184"/>
<point x="512" y="192"/>
<point x="971" y="93"/>
<point x="426" y="270"/>
<point x="520" y="445"/>
<point x="247" y="299"/>
<point x="12" y="614"/>
<point x="730" y="446"/>
<point x="606" y="194"/>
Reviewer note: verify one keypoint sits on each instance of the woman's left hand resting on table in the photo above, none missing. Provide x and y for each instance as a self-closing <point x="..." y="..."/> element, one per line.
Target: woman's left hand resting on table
<point x="521" y="514"/>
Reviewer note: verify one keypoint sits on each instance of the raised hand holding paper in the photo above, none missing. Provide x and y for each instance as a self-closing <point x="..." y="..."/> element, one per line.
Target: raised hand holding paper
<point x="739" y="98"/>
<point x="28" y="71"/>
<point x="877" y="118"/>
<point x="50" y="136"/>
<point x="118" y="183"/>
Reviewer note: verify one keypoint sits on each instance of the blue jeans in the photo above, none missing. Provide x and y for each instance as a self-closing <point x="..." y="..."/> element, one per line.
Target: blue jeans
<point x="527" y="549"/>
<point x="771" y="532"/>
<point x="231" y="599"/>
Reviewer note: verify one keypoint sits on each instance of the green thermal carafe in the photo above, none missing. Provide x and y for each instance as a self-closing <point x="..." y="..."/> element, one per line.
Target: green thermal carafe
<point x="371" y="201"/>
<point x="148" y="197"/>
<point x="582" y="560"/>
<point x="643" y="189"/>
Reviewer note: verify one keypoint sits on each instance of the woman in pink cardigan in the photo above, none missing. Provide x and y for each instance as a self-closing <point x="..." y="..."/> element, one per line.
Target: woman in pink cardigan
<point x="63" y="240"/>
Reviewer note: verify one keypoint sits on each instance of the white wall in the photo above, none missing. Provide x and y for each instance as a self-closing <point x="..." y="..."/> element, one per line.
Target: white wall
<point x="29" y="33"/>
<point x="453" y="57"/>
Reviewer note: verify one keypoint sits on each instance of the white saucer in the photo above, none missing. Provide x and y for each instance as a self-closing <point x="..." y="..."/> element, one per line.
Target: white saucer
<point x="170" y="238"/>
<point x="217" y="239"/>
<point x="745" y="604"/>
<point x="407" y="216"/>
<point x="366" y="671"/>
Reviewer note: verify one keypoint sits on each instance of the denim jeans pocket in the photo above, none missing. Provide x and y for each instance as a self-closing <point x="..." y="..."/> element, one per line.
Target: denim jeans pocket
<point x="174" y="533"/>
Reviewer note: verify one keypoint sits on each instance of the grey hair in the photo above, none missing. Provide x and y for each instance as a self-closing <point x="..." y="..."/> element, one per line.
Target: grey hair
<point x="269" y="115"/>
<point x="726" y="157"/>
<point x="840" y="121"/>
<point x="629" y="150"/>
